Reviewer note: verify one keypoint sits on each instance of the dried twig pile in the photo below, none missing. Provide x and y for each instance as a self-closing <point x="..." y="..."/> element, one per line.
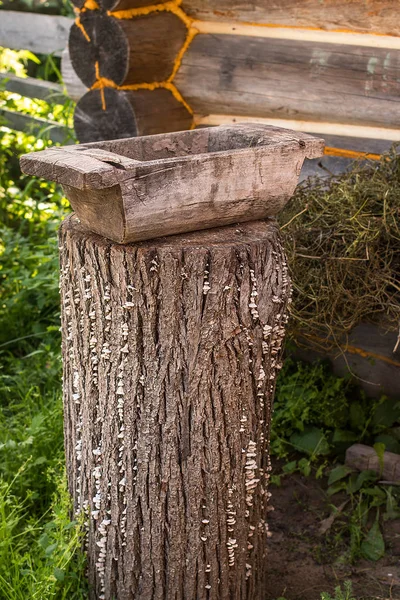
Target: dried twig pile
<point x="342" y="237"/>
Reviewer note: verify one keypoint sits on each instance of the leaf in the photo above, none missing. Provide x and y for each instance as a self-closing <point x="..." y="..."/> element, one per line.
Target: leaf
<point x="391" y="443"/>
<point x="50" y="549"/>
<point x="304" y="466"/>
<point x="373" y="545"/>
<point x="339" y="472"/>
<point x="336" y="487"/>
<point x="387" y="413"/>
<point x="290" y="467"/>
<point x="380" y="451"/>
<point x="312" y="441"/>
<point x="59" y="574"/>
<point x="357" y="416"/>
<point x="341" y="435"/>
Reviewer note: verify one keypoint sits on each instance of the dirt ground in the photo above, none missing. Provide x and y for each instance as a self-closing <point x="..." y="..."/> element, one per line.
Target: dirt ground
<point x="303" y="563"/>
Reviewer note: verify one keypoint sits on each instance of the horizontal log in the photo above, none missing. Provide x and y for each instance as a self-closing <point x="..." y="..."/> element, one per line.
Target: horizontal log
<point x="41" y="34"/>
<point x="35" y="126"/>
<point x="379" y="16"/>
<point x="323" y="128"/>
<point x="116" y="5"/>
<point x="33" y="88"/>
<point x="365" y="458"/>
<point x="154" y="42"/>
<point x="109" y="114"/>
<point x="224" y="74"/>
<point x="299" y="34"/>
<point x="125" y="51"/>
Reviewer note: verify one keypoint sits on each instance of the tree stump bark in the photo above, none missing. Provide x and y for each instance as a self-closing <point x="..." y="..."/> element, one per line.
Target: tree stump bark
<point x="171" y="350"/>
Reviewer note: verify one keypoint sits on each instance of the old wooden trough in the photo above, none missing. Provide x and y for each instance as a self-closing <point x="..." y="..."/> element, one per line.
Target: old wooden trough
<point x="140" y="188"/>
<point x="171" y="349"/>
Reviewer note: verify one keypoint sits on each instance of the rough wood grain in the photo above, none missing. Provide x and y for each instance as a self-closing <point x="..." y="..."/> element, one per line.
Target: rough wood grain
<point x="365" y="458"/>
<point x="98" y="47"/>
<point x="225" y="74"/>
<point x="116" y="5"/>
<point x="43" y="34"/>
<point x="75" y="88"/>
<point x="122" y="114"/>
<point x="213" y="177"/>
<point x="153" y="44"/>
<point x="374" y="16"/>
<point x="171" y="351"/>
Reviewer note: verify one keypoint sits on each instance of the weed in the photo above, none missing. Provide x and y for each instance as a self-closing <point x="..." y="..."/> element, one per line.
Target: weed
<point x="345" y="594"/>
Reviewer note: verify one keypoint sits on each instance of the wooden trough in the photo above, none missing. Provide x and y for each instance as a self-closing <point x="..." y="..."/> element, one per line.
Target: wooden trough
<point x="141" y="188"/>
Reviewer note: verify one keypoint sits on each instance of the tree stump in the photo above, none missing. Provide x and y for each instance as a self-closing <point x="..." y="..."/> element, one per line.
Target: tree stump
<point x="171" y="350"/>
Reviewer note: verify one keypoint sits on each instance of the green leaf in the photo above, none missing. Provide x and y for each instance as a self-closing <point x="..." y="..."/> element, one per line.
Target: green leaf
<point x="373" y="545"/>
<point x="357" y="416"/>
<point x="341" y="435"/>
<point x="339" y="472"/>
<point x="304" y="466"/>
<point x="312" y="441"/>
<point x="336" y="487"/>
<point x="59" y="574"/>
<point x="390" y="442"/>
<point x="50" y="549"/>
<point x="387" y="413"/>
<point x="380" y="451"/>
<point x="290" y="467"/>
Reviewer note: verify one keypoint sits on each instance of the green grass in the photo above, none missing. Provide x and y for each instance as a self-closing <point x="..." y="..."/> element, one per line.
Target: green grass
<point x="40" y="554"/>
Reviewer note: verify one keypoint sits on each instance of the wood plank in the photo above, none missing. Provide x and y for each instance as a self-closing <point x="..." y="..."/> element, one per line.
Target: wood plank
<point x="322" y="128"/>
<point x="35" y="126"/>
<point x="380" y="16"/>
<point x="300" y="34"/>
<point x="33" y="88"/>
<point x="224" y="74"/>
<point x="41" y="34"/>
<point x="365" y="458"/>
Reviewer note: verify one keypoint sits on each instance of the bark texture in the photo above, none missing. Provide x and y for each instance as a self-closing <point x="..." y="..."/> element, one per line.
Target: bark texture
<point x="171" y="349"/>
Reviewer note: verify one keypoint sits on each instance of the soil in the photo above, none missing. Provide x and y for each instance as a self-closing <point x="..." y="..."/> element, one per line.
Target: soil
<point x="303" y="563"/>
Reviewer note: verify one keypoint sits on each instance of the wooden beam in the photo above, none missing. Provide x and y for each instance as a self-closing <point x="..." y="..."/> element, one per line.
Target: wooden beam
<point x="33" y="88"/>
<point x="35" y="126"/>
<point x="267" y="30"/>
<point x="41" y="34"/>
<point x="380" y="16"/>
<point x="343" y="131"/>
<point x="224" y="74"/>
<point x="365" y="458"/>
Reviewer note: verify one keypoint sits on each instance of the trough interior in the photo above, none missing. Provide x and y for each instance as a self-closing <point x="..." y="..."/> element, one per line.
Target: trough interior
<point x="186" y="143"/>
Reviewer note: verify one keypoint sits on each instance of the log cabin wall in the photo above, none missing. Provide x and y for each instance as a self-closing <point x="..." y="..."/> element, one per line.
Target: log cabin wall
<point x="330" y="67"/>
